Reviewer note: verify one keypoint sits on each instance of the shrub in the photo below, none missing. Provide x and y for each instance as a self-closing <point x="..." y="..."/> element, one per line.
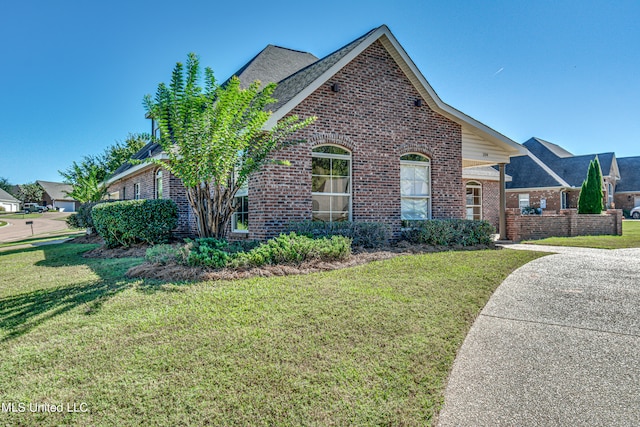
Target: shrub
<point x="83" y="218"/>
<point x="365" y="234"/>
<point x="131" y="221"/>
<point x="448" y="232"/>
<point x="2" y="209"/>
<point x="206" y="252"/>
<point x="294" y="248"/>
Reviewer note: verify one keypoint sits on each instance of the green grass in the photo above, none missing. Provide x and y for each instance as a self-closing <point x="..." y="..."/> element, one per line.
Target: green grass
<point x="2" y="223"/>
<point x="369" y="345"/>
<point x="56" y="235"/>
<point x="630" y="239"/>
<point x="21" y="216"/>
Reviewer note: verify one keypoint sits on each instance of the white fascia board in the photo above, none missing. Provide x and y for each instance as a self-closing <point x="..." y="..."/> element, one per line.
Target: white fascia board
<point x="548" y="170"/>
<point x="524" y="190"/>
<point x="136" y="168"/>
<point x="415" y="76"/>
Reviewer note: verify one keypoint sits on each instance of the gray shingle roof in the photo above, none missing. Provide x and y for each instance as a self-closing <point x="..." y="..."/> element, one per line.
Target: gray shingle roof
<point x="573" y="169"/>
<point x="629" y="174"/>
<point x="526" y="173"/>
<point x="6" y="197"/>
<point x="273" y="64"/>
<point x="149" y="150"/>
<point x="291" y="86"/>
<point x="57" y="190"/>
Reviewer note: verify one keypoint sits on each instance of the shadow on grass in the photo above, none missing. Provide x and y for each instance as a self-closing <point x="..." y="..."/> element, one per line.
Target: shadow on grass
<point x="19" y="313"/>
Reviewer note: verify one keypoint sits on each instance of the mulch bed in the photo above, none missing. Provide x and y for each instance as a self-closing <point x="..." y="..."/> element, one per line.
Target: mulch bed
<point x="178" y="272"/>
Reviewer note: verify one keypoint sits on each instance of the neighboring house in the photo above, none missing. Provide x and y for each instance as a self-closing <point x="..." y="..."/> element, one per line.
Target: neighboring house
<point x="627" y="192"/>
<point x="8" y="202"/>
<point x="550" y="177"/>
<point x="55" y="196"/>
<point x="384" y="148"/>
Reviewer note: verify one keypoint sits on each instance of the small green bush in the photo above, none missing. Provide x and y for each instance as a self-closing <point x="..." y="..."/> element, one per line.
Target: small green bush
<point x="448" y="232"/>
<point x="206" y="252"/>
<point x="83" y="218"/>
<point x="365" y="234"/>
<point x="127" y="222"/>
<point x="293" y="248"/>
<point x="2" y="209"/>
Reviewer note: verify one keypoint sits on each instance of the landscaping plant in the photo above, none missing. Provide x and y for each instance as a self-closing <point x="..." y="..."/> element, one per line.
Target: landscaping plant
<point x="590" y="200"/>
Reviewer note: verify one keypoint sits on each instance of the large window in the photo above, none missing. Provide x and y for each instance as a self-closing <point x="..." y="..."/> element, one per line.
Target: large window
<point x="415" y="187"/>
<point x="474" y="200"/>
<point x="331" y="183"/>
<point x="159" y="184"/>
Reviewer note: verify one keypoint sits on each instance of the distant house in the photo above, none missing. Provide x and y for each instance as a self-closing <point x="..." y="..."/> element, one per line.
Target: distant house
<point x="55" y="196"/>
<point x="550" y="177"/>
<point x="627" y="192"/>
<point x="8" y="202"/>
<point x="385" y="147"/>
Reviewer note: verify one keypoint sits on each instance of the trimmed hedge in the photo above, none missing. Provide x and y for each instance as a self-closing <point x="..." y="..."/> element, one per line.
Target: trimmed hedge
<point x="127" y="222"/>
<point x="82" y="218"/>
<point x="449" y="232"/>
<point x="365" y="234"/>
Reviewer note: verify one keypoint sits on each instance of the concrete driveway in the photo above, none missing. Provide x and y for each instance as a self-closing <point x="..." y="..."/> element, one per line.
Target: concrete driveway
<point x="17" y="229"/>
<point x="558" y="344"/>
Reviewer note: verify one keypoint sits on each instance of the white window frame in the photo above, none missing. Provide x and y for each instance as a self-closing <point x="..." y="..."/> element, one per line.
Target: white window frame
<point x="564" y="200"/>
<point x="414" y="163"/>
<point x="158" y="177"/>
<point x="478" y="186"/>
<point x="136" y="191"/>
<point x="348" y="157"/>
<point x="243" y="192"/>
<point x="522" y="197"/>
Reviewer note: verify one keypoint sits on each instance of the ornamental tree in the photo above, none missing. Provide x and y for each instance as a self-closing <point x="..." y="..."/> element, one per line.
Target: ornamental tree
<point x="215" y="139"/>
<point x="590" y="200"/>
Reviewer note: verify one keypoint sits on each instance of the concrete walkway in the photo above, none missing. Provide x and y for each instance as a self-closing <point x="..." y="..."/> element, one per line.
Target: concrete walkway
<point x="558" y="344"/>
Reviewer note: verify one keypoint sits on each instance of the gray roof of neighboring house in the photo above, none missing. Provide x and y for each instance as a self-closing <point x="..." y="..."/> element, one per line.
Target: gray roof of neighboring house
<point x="57" y="190"/>
<point x="573" y="169"/>
<point x="526" y="173"/>
<point x="6" y="197"/>
<point x="273" y="64"/>
<point x="629" y="174"/>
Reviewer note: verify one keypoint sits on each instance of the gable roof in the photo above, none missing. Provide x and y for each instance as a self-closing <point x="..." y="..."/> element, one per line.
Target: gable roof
<point x="273" y="64"/>
<point x="629" y="174"/>
<point x="571" y="169"/>
<point x="529" y="172"/>
<point x="57" y="190"/>
<point x="6" y="197"/>
<point x="294" y="89"/>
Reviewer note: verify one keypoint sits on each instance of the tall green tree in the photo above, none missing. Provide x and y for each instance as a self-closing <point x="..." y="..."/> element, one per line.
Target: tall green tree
<point x="30" y="193"/>
<point x="590" y="200"/>
<point x="88" y="175"/>
<point x="6" y="185"/>
<point x="214" y="138"/>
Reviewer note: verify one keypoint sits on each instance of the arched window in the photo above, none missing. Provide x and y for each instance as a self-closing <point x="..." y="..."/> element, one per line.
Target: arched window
<point x="474" y="200"/>
<point x="159" y="184"/>
<point x="331" y="183"/>
<point x="415" y="187"/>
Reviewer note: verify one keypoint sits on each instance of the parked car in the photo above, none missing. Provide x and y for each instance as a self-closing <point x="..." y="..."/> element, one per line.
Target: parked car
<point x="635" y="213"/>
<point x="34" y="207"/>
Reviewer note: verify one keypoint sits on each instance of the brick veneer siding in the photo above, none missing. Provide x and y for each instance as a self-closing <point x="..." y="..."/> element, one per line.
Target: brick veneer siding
<point x="553" y="199"/>
<point x="567" y="223"/>
<point x="374" y="116"/>
<point x="490" y="200"/>
<point x="625" y="201"/>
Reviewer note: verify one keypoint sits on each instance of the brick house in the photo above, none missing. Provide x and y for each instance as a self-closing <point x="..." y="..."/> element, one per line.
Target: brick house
<point x="627" y="190"/>
<point x="384" y="148"/>
<point x="550" y="177"/>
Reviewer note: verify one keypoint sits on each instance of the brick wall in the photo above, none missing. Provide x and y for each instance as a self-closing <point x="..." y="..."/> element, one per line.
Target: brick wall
<point x="567" y="223"/>
<point x="374" y="116"/>
<point x="553" y="199"/>
<point x="625" y="200"/>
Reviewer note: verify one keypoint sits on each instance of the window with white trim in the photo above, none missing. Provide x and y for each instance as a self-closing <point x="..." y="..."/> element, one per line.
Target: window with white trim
<point x="330" y="184"/>
<point x="564" y="200"/>
<point x="136" y="191"/>
<point x="415" y="187"/>
<point x="474" y="200"/>
<point x="523" y="200"/>
<point x="240" y="218"/>
<point x="159" y="184"/>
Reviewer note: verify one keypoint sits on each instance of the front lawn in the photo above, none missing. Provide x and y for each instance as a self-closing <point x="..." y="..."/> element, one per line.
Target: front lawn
<point x="21" y="216"/>
<point x="2" y="223"/>
<point x="630" y="239"/>
<point x="368" y="345"/>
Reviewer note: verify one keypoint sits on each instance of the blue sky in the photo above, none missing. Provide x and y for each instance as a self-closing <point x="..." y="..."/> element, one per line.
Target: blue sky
<point x="73" y="73"/>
